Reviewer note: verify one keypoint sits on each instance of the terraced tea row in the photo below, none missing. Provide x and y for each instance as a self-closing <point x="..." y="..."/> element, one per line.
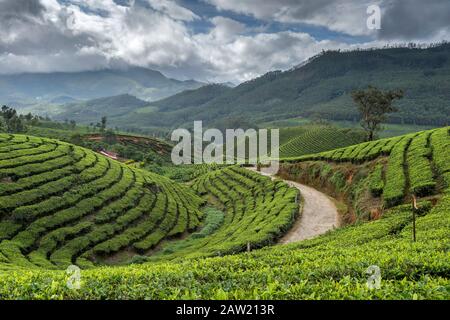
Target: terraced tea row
<point x="414" y="165"/>
<point x="257" y="212"/>
<point x="61" y="204"/>
<point x="316" y="139"/>
<point x="332" y="266"/>
<point x="356" y="153"/>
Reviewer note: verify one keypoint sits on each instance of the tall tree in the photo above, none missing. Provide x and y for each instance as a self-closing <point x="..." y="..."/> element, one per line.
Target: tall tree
<point x="373" y="105"/>
<point x="8" y="113"/>
<point x="103" y="125"/>
<point x="109" y="137"/>
<point x="13" y="122"/>
<point x="3" y="126"/>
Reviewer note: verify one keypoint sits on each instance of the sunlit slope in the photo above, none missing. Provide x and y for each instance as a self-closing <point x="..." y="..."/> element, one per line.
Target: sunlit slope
<point x="62" y="204"/>
<point x="332" y="266"/>
<point x="313" y="139"/>
<point x="257" y="212"/>
<point x="417" y="164"/>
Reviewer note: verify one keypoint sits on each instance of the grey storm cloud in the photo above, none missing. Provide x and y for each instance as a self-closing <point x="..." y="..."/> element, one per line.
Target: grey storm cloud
<point x="25" y="32"/>
<point x="401" y="19"/>
<point x="276" y="9"/>
<point x="415" y="19"/>
<point x="77" y="35"/>
<point x="20" y="9"/>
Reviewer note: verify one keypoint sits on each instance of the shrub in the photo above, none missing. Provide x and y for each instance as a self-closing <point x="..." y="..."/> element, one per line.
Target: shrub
<point x="376" y="182"/>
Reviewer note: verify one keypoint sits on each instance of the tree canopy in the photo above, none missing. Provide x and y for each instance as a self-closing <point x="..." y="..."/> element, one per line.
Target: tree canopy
<point x="373" y="105"/>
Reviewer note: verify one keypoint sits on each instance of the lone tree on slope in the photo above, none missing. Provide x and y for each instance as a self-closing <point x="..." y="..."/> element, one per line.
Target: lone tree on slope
<point x="373" y="105"/>
<point x="103" y="124"/>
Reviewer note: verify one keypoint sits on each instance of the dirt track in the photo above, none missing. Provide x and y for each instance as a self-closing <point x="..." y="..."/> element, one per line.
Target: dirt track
<point x="319" y="213"/>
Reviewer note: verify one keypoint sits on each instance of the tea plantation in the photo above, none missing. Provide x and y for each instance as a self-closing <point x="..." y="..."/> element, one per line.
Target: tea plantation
<point x="61" y="204"/>
<point x="315" y="138"/>
<point x="332" y="266"/>
<point x="415" y="163"/>
<point x="257" y="212"/>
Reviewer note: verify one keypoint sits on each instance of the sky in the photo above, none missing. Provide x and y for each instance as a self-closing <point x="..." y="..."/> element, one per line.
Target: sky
<point x="206" y="40"/>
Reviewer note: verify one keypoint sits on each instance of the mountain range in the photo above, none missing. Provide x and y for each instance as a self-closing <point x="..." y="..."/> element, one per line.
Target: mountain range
<point x="320" y="88"/>
<point x="61" y="87"/>
<point x="92" y="110"/>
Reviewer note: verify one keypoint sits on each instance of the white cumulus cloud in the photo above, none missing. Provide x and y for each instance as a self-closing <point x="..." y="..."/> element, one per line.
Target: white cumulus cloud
<point x="76" y="35"/>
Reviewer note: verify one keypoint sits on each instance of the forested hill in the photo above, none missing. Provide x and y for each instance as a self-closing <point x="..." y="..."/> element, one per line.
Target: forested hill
<point x="63" y="87"/>
<point x="321" y="88"/>
<point x="92" y="110"/>
<point x="191" y="98"/>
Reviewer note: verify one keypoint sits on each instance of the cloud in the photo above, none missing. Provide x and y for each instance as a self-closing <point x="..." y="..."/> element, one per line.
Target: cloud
<point x="404" y="20"/>
<point x="80" y="35"/>
<point x="416" y="20"/>
<point x="20" y="9"/>
<point x="348" y="16"/>
<point x="173" y="10"/>
<point x="77" y="35"/>
<point x="225" y="29"/>
<point x="249" y="56"/>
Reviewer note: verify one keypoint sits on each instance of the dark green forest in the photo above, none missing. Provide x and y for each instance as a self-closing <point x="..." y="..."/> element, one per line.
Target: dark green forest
<point x="319" y="89"/>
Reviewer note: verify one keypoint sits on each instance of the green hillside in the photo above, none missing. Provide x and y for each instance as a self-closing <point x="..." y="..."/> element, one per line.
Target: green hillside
<point x="415" y="164"/>
<point x="35" y="91"/>
<point x="91" y="111"/>
<point x="62" y="204"/>
<point x="250" y="211"/>
<point x="322" y="88"/>
<point x="316" y="138"/>
<point x="192" y="98"/>
<point x="123" y="108"/>
<point x="331" y="266"/>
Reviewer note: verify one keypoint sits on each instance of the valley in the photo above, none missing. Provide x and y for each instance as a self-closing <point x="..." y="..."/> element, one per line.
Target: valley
<point x="321" y="89"/>
<point x="89" y="183"/>
<point x="62" y="204"/>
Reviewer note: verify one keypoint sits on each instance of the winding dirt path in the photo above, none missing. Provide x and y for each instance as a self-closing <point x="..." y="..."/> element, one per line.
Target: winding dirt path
<point x="319" y="213"/>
